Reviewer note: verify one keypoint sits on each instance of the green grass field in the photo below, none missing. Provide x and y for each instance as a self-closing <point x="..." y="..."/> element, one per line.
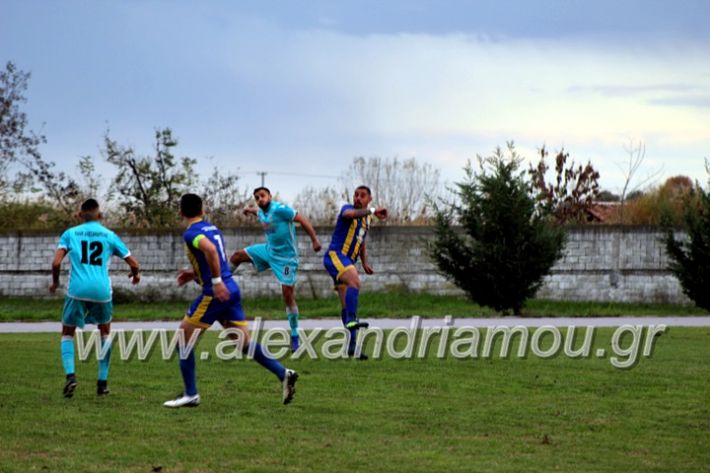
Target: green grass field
<point x="389" y="304"/>
<point x="430" y="415"/>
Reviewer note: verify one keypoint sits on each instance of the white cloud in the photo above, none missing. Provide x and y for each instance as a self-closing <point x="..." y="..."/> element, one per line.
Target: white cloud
<point x="446" y="98"/>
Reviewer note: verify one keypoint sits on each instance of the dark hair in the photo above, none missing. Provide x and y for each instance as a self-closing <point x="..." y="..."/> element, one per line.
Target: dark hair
<point x="369" y="192"/>
<point x="89" y="205"/>
<point x="190" y="205"/>
<point x="262" y="188"/>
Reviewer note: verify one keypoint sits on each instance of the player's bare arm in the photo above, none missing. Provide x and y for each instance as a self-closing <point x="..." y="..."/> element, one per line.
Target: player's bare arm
<point x="379" y="212"/>
<point x="306" y="225"/>
<point x="364" y="261"/>
<point x="135" y="274"/>
<point x="220" y="290"/>
<point x="56" y="269"/>
<point x="250" y="211"/>
<point x="185" y="276"/>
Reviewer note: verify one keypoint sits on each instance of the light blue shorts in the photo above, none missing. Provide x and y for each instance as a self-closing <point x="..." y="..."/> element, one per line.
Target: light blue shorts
<point x="78" y="312"/>
<point x="285" y="270"/>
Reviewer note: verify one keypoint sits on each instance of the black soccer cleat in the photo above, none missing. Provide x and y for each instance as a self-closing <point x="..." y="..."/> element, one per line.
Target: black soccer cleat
<point x="102" y="388"/>
<point x="70" y="385"/>
<point x="289" y="385"/>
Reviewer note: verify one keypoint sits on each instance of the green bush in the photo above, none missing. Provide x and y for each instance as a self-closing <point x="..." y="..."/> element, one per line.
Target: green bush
<point x="507" y="245"/>
<point x="690" y="258"/>
<point x="33" y="215"/>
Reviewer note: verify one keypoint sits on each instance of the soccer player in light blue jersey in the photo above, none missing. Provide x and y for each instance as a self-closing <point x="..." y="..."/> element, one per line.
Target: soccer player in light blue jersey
<point x="88" y="297"/>
<point x="220" y="301"/>
<point x="280" y="252"/>
<point x="346" y="245"/>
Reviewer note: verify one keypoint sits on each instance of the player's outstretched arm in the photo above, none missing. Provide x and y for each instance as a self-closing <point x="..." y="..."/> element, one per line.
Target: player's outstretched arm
<point x="356" y="213"/>
<point x="379" y="212"/>
<point x="364" y="261"/>
<point x="135" y="275"/>
<point x="220" y="290"/>
<point x="56" y="269"/>
<point x="306" y="224"/>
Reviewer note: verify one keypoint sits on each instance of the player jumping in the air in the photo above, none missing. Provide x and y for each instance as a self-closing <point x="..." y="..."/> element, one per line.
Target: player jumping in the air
<point x="88" y="298"/>
<point x="220" y="301"/>
<point x="347" y="243"/>
<point x="280" y="252"/>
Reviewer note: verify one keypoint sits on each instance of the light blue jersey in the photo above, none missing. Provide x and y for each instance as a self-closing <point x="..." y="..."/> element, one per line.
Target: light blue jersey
<point x="90" y="247"/>
<point x="280" y="231"/>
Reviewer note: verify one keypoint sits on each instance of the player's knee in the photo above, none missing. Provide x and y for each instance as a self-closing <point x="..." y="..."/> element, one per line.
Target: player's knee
<point x="354" y="283"/>
<point x="239" y="256"/>
<point x="68" y="331"/>
<point x="104" y="330"/>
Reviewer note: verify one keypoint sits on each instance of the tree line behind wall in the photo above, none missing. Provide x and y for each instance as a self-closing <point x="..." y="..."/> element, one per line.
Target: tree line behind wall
<point x="143" y="191"/>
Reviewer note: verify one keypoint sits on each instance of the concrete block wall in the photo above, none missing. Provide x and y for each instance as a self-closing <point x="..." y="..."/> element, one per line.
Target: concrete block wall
<point x="599" y="263"/>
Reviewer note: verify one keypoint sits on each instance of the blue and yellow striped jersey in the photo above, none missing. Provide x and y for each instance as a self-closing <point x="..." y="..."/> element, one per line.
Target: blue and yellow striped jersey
<point x="192" y="237"/>
<point x="349" y="234"/>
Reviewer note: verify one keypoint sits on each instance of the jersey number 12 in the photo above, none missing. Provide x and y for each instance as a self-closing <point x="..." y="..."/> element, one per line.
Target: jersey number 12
<point x="94" y="258"/>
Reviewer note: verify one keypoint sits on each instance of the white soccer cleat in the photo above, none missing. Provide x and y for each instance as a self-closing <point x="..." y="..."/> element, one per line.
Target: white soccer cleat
<point x="184" y="401"/>
<point x="289" y="385"/>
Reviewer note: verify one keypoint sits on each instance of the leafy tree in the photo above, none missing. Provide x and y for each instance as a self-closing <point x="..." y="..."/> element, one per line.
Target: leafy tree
<point x="573" y="191"/>
<point x="16" y="141"/>
<point x="56" y="192"/>
<point x="505" y="246"/>
<point x="662" y="204"/>
<point x="57" y="187"/>
<point x="148" y="188"/>
<point x="690" y="258"/>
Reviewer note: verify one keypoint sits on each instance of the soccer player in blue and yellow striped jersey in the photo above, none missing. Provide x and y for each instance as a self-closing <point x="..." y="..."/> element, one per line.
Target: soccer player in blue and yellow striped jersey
<point x="346" y="246"/>
<point x="220" y="301"/>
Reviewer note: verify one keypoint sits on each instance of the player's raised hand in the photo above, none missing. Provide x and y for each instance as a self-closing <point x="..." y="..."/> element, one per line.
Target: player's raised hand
<point x="250" y="211"/>
<point x="185" y="276"/>
<point x="367" y="268"/>
<point x="381" y="213"/>
<point x="316" y="245"/>
<point x="221" y="292"/>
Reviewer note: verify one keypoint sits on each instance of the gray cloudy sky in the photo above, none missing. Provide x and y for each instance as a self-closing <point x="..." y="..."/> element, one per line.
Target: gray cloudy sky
<point x="303" y="87"/>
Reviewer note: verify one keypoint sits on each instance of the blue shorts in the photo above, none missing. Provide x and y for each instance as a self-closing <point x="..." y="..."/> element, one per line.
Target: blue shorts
<point x="77" y="312"/>
<point x="206" y="310"/>
<point x="336" y="264"/>
<point x="285" y="270"/>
